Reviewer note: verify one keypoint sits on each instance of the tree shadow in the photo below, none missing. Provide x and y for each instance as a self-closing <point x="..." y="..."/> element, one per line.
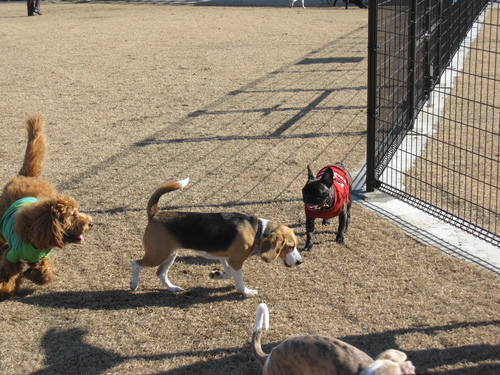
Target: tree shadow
<point x="67" y="352"/>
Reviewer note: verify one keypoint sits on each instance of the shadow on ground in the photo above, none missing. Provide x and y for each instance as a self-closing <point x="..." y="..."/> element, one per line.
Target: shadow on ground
<point x="67" y="348"/>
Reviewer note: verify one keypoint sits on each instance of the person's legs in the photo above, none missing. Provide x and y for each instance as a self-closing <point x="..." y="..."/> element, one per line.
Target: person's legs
<point x="37" y="7"/>
<point x="31" y="7"/>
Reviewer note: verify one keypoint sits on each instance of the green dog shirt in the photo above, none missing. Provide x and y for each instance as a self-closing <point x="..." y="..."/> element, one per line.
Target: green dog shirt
<point x="19" y="250"/>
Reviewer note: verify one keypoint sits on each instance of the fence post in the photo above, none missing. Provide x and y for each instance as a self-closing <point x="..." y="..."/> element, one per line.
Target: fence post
<point x="412" y="56"/>
<point x="372" y="96"/>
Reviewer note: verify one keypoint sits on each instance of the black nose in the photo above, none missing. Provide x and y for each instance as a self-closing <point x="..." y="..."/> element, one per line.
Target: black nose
<point x="91" y="224"/>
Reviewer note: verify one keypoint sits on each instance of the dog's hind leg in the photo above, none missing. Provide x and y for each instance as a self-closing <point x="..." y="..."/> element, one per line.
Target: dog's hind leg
<point x="348" y="221"/>
<point x="343" y="219"/>
<point x="162" y="273"/>
<point x="136" y="269"/>
<point x="10" y="288"/>
<point x="10" y="275"/>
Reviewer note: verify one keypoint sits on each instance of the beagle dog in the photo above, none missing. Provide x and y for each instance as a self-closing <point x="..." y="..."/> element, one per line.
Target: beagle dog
<point x="227" y="237"/>
<point x="317" y="355"/>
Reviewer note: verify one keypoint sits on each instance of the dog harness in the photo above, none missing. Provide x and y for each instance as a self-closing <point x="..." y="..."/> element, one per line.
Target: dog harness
<point x="19" y="250"/>
<point x="341" y="190"/>
<point x="260" y="231"/>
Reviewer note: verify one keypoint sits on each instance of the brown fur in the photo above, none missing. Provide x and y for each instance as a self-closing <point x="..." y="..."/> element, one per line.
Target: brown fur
<point x="51" y="222"/>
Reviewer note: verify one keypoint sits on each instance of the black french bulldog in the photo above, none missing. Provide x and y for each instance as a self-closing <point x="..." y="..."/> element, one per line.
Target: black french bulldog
<point x="326" y="196"/>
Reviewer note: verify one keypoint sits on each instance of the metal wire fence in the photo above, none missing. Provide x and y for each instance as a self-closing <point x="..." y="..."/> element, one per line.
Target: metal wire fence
<point x="434" y="108"/>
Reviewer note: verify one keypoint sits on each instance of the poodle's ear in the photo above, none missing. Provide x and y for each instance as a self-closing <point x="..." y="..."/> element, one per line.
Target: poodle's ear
<point x="271" y="246"/>
<point x="40" y="224"/>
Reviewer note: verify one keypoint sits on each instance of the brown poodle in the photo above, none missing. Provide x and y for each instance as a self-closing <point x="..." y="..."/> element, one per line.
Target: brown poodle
<point x="34" y="219"/>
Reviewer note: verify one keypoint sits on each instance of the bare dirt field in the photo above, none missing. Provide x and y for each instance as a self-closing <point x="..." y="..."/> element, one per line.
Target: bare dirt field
<point x="240" y="99"/>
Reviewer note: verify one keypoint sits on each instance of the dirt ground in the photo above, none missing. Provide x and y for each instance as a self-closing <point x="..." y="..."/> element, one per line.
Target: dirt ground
<point x="240" y="99"/>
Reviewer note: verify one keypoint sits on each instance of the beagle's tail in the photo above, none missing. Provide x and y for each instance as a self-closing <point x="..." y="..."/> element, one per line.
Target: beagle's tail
<point x="165" y="188"/>
<point x="34" y="156"/>
<point x="261" y="319"/>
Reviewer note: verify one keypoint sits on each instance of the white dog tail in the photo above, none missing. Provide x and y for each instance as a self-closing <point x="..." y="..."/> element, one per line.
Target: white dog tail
<point x="261" y="319"/>
<point x="165" y="188"/>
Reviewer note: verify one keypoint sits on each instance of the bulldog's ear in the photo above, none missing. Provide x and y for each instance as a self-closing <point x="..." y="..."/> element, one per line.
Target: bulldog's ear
<point x="310" y="175"/>
<point x="271" y="246"/>
<point x="327" y="177"/>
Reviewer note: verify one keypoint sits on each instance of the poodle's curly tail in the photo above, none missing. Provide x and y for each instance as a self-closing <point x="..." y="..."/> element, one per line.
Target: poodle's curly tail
<point x="165" y="188"/>
<point x="36" y="148"/>
<point x="261" y="319"/>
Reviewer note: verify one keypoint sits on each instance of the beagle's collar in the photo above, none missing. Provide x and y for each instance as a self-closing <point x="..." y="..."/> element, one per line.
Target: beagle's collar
<point x="261" y="231"/>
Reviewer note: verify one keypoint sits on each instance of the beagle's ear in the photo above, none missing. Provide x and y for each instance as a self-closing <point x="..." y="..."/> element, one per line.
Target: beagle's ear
<point x="271" y="246"/>
<point x="290" y="241"/>
<point x="310" y="175"/>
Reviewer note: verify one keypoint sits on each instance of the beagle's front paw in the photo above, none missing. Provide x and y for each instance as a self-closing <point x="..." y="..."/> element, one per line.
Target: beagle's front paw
<point x="249" y="292"/>
<point x="174" y="289"/>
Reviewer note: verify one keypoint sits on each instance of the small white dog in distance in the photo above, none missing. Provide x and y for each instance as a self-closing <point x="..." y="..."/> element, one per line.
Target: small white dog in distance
<point x="318" y="355"/>
<point x="293" y="2"/>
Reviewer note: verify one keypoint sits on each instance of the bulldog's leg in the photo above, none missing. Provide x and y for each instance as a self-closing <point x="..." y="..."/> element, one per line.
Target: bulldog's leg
<point x="348" y="217"/>
<point x="309" y="233"/>
<point x="343" y="219"/>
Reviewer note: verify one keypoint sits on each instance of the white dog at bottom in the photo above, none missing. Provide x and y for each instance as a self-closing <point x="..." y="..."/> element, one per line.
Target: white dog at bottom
<point x="317" y="355"/>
